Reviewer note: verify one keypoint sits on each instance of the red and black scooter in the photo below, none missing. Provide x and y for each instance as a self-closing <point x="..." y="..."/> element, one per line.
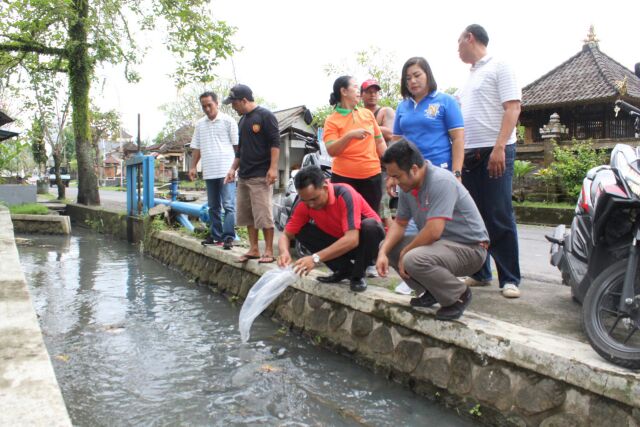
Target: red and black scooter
<point x="599" y="257"/>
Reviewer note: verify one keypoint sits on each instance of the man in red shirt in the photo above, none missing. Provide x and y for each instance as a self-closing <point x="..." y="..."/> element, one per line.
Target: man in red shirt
<point x="335" y="223"/>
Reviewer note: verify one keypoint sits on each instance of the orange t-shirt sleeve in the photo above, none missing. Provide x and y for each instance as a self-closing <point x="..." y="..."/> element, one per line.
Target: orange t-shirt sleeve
<point x="330" y="133"/>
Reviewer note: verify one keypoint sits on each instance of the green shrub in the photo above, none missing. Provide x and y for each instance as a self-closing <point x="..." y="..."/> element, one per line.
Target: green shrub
<point x="521" y="168"/>
<point x="29" y="209"/>
<point x="571" y="164"/>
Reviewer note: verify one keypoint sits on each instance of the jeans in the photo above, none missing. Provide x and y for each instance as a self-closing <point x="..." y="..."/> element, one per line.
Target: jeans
<point x="371" y="234"/>
<point x="493" y="198"/>
<point x="221" y="196"/>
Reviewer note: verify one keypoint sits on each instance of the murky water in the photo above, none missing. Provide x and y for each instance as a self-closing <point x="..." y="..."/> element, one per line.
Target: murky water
<point x="134" y="343"/>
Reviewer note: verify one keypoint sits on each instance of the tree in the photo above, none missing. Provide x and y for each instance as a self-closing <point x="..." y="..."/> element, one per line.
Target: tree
<point x="50" y="102"/>
<point x="74" y="36"/>
<point x="104" y="125"/>
<point x="38" y="148"/>
<point x="369" y="63"/>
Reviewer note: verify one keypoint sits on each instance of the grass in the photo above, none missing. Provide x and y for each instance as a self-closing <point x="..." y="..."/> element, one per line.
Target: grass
<point x="113" y="188"/>
<point x="528" y="204"/>
<point x="29" y="209"/>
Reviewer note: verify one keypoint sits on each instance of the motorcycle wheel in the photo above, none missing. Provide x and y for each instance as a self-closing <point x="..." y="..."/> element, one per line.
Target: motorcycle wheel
<point x="613" y="335"/>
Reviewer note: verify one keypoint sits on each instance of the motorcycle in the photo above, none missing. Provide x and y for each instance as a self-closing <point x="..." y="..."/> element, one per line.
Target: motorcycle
<point x="599" y="257"/>
<point x="316" y="155"/>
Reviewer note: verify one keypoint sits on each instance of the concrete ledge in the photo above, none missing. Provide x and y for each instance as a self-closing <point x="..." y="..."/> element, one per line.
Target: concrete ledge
<point x="29" y="392"/>
<point x="466" y="358"/>
<point x="41" y="224"/>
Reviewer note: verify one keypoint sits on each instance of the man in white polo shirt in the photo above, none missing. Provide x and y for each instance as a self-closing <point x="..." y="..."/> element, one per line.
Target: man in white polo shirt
<point x="215" y="140"/>
<point x="490" y="103"/>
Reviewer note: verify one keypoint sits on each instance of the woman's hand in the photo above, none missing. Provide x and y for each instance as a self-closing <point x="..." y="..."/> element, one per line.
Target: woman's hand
<point x="359" y="133"/>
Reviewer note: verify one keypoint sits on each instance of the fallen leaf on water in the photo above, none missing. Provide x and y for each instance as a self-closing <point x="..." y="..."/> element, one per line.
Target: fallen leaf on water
<point x="269" y="368"/>
<point x="64" y="357"/>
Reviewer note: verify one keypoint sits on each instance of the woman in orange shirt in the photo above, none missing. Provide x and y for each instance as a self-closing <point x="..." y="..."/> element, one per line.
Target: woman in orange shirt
<point x="354" y="140"/>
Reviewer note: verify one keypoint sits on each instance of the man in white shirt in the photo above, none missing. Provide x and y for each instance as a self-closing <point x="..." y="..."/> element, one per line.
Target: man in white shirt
<point x="490" y="103"/>
<point x="215" y="140"/>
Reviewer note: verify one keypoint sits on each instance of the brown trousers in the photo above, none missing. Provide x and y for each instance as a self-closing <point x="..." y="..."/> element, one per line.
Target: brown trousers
<point x="436" y="267"/>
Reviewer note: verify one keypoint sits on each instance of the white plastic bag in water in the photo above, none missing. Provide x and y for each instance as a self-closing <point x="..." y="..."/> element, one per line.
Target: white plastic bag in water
<point x="264" y="291"/>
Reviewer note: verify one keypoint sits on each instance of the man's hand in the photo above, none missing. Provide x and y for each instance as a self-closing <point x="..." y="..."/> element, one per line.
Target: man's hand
<point x="497" y="162"/>
<point x="284" y="259"/>
<point x="303" y="266"/>
<point x="193" y="174"/>
<point x="382" y="265"/>
<point x="230" y="177"/>
<point x="272" y="174"/>
<point x="391" y="188"/>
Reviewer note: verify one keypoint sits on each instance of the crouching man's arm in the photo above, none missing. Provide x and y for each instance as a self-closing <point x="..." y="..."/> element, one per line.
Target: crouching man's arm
<point x="304" y="265"/>
<point x="394" y="236"/>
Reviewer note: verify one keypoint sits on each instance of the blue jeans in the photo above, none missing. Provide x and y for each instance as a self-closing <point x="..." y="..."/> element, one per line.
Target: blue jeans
<point x="493" y="198"/>
<point x="222" y="196"/>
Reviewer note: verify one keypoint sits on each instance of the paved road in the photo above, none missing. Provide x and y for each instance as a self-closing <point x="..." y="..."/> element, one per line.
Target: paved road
<point x="534" y="249"/>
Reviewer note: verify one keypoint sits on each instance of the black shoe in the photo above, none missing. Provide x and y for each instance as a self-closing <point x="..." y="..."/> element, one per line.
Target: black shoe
<point x="208" y="241"/>
<point x="455" y="310"/>
<point x="336" y="277"/>
<point x="357" y="285"/>
<point x="426" y="300"/>
<point x="228" y="243"/>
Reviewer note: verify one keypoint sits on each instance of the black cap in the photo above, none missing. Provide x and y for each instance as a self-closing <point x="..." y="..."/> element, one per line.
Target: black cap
<point x="239" y="92"/>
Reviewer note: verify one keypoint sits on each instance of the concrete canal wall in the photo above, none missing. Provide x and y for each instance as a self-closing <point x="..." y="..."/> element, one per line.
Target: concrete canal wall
<point x="495" y="371"/>
<point x="500" y="373"/>
<point x="29" y="392"/>
<point x="41" y="224"/>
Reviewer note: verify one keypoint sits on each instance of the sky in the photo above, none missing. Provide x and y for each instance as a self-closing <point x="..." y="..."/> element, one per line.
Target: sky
<point x="286" y="45"/>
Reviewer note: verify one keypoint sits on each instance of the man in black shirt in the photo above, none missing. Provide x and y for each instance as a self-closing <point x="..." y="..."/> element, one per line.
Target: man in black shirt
<point x="257" y="165"/>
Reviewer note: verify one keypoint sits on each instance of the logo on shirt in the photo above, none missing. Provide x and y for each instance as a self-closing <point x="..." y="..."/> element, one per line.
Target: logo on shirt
<point x="432" y="111"/>
<point x="256" y="127"/>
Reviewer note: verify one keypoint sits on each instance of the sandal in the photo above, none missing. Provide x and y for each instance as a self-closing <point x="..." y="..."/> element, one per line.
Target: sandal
<point x="245" y="258"/>
<point x="266" y="259"/>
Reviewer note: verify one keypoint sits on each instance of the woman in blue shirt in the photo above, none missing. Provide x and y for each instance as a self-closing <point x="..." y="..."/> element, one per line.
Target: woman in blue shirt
<point x="430" y="119"/>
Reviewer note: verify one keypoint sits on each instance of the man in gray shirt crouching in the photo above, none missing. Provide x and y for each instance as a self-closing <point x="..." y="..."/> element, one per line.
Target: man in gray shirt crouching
<point x="452" y="239"/>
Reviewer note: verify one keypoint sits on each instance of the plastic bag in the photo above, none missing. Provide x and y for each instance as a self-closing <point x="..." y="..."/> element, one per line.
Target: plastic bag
<point x="264" y="292"/>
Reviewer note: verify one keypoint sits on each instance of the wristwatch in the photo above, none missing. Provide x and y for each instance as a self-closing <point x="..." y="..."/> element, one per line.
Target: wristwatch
<point x="457" y="174"/>
<point x="316" y="259"/>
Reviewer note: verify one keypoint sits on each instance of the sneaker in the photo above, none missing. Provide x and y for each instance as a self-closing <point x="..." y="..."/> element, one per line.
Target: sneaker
<point x="228" y="243"/>
<point x="455" y="310"/>
<point x="210" y="241"/>
<point x="426" y="300"/>
<point x="357" y="284"/>
<point x="403" y="289"/>
<point x="510" y="290"/>
<point x="470" y="281"/>
<point x="371" y="271"/>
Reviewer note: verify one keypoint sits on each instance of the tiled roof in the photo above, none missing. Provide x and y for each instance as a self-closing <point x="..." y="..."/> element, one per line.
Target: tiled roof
<point x="587" y="77"/>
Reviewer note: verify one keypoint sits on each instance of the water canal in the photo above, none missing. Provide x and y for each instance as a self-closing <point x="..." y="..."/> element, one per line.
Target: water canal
<point x="135" y="343"/>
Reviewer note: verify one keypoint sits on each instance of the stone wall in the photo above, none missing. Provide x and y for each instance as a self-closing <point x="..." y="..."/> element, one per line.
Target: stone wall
<point x="105" y="221"/>
<point x="543" y="216"/>
<point x="498" y="373"/>
<point x="41" y="224"/>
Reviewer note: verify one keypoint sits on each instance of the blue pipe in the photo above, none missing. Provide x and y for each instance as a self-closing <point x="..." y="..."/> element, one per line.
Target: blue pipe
<point x="200" y="212"/>
<point x="184" y="221"/>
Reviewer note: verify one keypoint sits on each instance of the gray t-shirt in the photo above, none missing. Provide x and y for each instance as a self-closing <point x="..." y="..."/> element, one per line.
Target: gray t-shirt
<point x="442" y="196"/>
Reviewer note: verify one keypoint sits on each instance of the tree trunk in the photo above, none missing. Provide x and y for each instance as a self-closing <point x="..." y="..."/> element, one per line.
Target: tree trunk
<point x="80" y="72"/>
<point x="59" y="183"/>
